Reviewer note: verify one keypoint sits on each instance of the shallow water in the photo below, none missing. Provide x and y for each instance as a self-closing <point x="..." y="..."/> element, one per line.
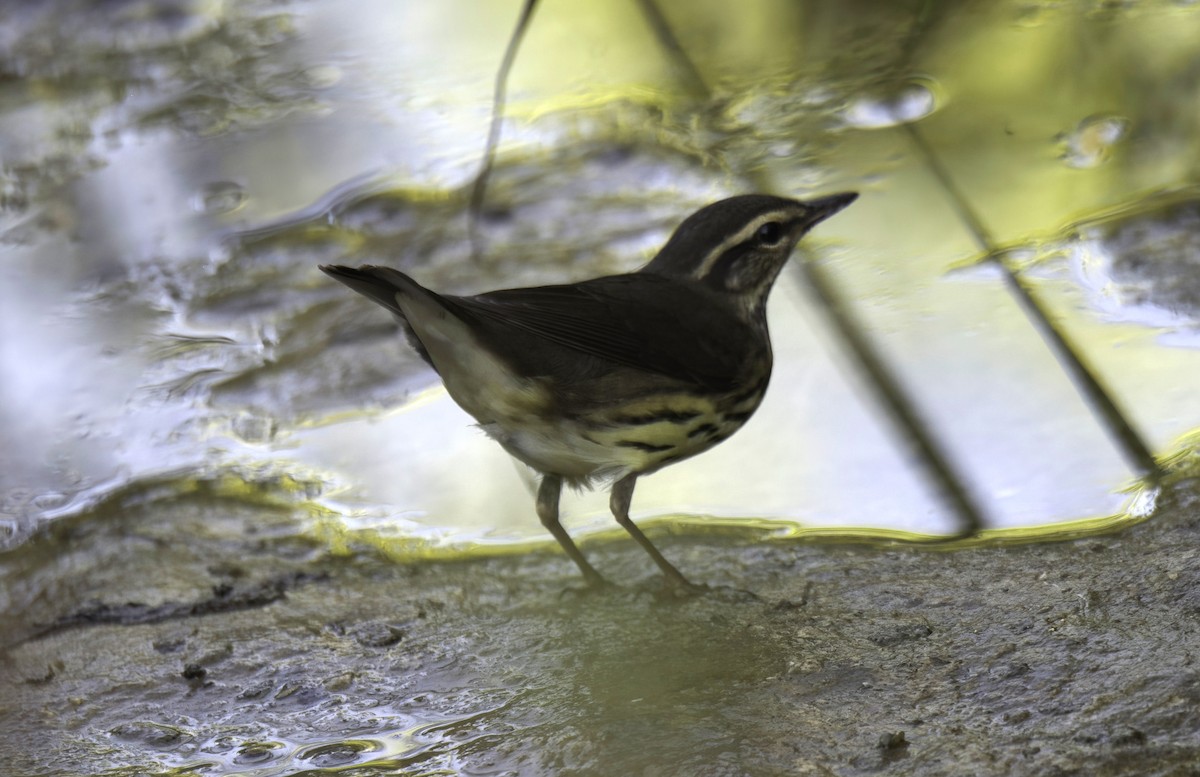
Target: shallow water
<point x="172" y="173"/>
<point x="172" y="183"/>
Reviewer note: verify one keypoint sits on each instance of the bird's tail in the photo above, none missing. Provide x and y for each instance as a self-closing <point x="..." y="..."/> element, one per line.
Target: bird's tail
<point x="379" y="284"/>
<point x="387" y="287"/>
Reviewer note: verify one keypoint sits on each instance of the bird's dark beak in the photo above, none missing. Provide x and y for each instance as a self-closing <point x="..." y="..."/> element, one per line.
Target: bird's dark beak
<point x="819" y="210"/>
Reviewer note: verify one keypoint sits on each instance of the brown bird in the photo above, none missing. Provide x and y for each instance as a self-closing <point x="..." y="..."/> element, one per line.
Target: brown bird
<point x="616" y="377"/>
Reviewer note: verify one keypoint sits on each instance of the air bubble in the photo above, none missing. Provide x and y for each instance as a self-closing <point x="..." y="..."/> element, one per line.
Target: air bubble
<point x="1091" y="143"/>
<point x="914" y="100"/>
<point x="219" y="197"/>
<point x="338" y="753"/>
<point x="256" y="753"/>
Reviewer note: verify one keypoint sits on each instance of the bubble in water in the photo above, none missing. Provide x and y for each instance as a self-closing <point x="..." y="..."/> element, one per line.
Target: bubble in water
<point x="51" y="500"/>
<point x="337" y="753"/>
<point x="1091" y="143"/>
<point x="156" y="735"/>
<point x="256" y="753"/>
<point x="220" y="197"/>
<point x="914" y="100"/>
<point x="254" y="428"/>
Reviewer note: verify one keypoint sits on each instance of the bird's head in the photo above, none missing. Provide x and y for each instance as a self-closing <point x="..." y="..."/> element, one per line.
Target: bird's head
<point x="738" y="246"/>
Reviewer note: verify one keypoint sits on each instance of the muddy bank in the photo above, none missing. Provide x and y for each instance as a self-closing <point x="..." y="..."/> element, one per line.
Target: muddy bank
<point x="151" y="641"/>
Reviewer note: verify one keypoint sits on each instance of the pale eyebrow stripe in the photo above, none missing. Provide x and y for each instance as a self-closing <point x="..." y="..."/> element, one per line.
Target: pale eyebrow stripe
<point x="739" y="237"/>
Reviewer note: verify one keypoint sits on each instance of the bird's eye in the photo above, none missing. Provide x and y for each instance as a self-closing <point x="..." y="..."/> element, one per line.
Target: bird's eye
<point x="770" y="233"/>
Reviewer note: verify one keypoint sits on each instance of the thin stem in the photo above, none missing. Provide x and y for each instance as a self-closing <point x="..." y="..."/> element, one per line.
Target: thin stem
<point x="887" y="390"/>
<point x="1131" y="445"/>
<point x="499" y="95"/>
<point x="666" y="38"/>
<point x="896" y="403"/>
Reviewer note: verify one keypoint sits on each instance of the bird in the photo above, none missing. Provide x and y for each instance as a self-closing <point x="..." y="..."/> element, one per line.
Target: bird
<point x="611" y="379"/>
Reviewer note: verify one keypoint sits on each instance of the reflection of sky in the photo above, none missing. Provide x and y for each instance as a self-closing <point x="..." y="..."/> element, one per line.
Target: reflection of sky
<point x="91" y="402"/>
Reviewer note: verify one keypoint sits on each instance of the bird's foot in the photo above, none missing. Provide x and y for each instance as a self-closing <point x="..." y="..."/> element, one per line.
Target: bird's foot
<point x="595" y="583"/>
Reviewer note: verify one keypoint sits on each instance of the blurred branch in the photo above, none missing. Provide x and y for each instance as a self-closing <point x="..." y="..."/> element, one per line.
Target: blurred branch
<point x="479" y="188"/>
<point x="666" y="38"/>
<point x="1134" y="449"/>
<point x="899" y="408"/>
<point x="887" y="390"/>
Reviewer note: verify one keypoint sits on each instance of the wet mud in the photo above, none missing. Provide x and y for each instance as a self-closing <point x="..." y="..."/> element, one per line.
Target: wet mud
<point x="255" y="651"/>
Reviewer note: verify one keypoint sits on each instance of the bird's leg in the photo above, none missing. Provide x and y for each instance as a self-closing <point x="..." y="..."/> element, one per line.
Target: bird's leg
<point x="622" y="495"/>
<point x="547" y="510"/>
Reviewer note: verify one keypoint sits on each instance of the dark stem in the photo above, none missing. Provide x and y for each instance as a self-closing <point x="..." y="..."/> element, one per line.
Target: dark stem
<point x="896" y="403"/>
<point x="1131" y="445"/>
<point x="666" y="38"/>
<point x="479" y="188"/>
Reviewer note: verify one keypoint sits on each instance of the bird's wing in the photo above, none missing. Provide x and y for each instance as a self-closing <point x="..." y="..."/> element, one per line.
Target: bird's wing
<point x="644" y="321"/>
